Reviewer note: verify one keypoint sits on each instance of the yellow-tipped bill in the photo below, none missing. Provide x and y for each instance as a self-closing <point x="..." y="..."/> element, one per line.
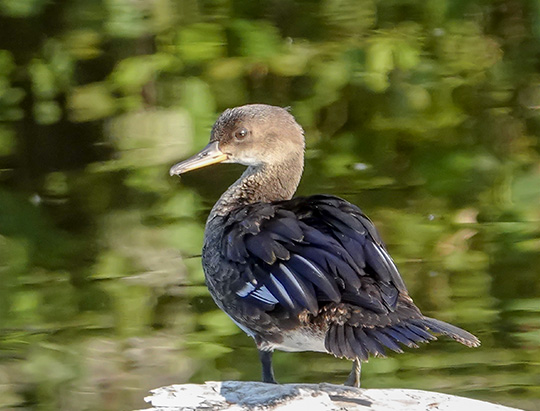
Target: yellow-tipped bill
<point x="209" y="155"/>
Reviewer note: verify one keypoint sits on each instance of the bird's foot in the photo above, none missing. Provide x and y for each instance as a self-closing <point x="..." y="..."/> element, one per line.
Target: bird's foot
<point x="267" y="370"/>
<point x="352" y="382"/>
<point x="354" y="377"/>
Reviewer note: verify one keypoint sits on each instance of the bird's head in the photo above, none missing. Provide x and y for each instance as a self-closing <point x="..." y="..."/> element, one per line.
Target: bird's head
<point x="253" y="135"/>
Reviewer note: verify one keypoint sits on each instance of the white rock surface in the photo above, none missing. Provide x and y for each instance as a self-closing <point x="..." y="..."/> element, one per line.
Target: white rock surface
<point x="258" y="396"/>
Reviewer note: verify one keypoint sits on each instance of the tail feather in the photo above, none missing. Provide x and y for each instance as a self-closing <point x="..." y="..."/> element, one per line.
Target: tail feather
<point x="361" y="342"/>
<point x="385" y="340"/>
<point x="401" y="335"/>
<point x="421" y="332"/>
<point x="440" y="327"/>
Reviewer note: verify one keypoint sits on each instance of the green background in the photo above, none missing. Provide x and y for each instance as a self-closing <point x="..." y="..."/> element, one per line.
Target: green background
<point x="425" y="113"/>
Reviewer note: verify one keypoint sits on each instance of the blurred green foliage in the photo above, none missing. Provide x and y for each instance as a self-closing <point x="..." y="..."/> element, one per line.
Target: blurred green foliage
<point x="424" y="113"/>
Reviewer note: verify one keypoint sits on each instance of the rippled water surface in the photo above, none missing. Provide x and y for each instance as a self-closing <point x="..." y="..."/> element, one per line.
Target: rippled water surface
<point x="423" y="113"/>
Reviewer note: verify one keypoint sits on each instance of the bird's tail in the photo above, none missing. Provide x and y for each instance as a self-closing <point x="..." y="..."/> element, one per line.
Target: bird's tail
<point x="357" y="342"/>
<point x="440" y="327"/>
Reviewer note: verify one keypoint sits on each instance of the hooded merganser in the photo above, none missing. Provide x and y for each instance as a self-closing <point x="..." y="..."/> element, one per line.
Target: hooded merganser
<point x="305" y="273"/>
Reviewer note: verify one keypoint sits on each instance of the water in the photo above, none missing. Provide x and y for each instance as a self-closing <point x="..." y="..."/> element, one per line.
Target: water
<point x="425" y="114"/>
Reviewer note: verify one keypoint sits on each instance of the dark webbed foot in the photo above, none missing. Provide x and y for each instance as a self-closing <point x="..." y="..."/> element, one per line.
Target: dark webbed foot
<point x="354" y="377"/>
<point x="267" y="370"/>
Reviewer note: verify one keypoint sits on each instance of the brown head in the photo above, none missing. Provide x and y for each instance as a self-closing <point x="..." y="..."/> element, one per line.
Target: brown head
<point x="255" y="135"/>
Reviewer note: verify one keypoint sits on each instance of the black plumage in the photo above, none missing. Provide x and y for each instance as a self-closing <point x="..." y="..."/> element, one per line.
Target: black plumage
<point x="309" y="273"/>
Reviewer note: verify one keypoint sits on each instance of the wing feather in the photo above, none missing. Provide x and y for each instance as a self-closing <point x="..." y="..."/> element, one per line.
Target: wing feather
<point x="308" y="252"/>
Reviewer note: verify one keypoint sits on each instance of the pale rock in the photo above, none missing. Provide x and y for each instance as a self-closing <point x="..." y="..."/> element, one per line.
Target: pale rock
<point x="258" y="396"/>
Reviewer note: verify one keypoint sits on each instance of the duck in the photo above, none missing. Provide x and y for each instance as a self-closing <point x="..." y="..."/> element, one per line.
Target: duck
<point x="300" y="273"/>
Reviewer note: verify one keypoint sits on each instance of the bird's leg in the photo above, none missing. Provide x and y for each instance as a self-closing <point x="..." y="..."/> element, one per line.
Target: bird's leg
<point x="354" y="377"/>
<point x="267" y="370"/>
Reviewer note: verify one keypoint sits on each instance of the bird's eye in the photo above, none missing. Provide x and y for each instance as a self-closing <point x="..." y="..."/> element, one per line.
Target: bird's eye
<point x="241" y="133"/>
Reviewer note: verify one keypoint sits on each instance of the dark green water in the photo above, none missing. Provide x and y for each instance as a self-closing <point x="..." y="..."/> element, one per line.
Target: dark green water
<point x="424" y="113"/>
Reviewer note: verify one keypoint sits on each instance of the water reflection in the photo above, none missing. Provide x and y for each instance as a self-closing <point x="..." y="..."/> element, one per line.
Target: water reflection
<point x="423" y="113"/>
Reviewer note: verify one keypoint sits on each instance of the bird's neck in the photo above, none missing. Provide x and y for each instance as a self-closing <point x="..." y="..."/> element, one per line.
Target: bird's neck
<point x="265" y="183"/>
